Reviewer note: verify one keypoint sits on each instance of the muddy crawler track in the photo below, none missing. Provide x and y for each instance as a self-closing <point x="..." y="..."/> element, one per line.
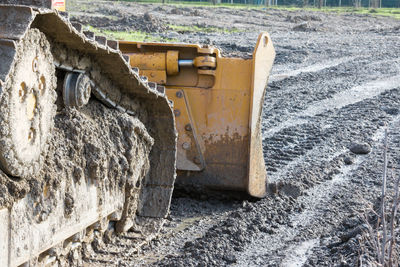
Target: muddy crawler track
<point x="132" y="100"/>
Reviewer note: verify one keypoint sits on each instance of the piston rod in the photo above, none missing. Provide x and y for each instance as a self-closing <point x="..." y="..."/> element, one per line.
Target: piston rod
<point x="185" y="62"/>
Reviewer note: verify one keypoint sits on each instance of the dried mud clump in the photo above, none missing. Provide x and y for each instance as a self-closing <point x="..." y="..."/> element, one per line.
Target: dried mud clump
<point x="11" y="190"/>
<point x="93" y="143"/>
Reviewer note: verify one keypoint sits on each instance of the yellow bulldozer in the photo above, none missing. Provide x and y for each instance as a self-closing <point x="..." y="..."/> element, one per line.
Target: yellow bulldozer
<point x="95" y="132"/>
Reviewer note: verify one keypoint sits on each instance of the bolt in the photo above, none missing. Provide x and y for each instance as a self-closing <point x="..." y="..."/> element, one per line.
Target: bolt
<point x="179" y="94"/>
<point x="42" y="84"/>
<point x="35" y="64"/>
<point x="188" y="127"/>
<point x="177" y="112"/>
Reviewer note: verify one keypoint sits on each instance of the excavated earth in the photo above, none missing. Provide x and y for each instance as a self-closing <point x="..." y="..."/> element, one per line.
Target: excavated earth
<point x="333" y="90"/>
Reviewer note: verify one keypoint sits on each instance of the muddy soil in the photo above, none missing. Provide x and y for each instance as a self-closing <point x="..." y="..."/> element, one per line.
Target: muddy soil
<point x="335" y="83"/>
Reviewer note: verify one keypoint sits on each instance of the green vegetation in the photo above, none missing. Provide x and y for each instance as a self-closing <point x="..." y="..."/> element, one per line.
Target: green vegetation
<point x="139" y="36"/>
<point x="136" y="36"/>
<point x="193" y="28"/>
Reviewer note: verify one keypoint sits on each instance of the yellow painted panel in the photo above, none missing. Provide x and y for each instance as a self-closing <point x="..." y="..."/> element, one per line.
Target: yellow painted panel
<point x="233" y="74"/>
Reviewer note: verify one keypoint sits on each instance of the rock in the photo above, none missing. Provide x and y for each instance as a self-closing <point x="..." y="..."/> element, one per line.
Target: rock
<point x="172" y="35"/>
<point x="354" y="232"/>
<point x="391" y="111"/>
<point x="360" y="148"/>
<point x="230" y="258"/>
<point x="348" y="160"/>
<point x="188" y="244"/>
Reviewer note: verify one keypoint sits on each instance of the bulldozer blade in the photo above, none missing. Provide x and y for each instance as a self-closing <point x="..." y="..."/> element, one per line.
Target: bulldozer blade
<point x="217" y="106"/>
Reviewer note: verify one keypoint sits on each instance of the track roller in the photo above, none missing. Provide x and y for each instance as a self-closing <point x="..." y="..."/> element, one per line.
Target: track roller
<point x="76" y="89"/>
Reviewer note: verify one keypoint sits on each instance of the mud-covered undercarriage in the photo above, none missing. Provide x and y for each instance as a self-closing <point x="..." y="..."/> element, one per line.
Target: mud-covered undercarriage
<point x="76" y="141"/>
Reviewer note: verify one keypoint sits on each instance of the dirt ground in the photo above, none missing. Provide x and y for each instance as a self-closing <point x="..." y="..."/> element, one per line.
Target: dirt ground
<point x="335" y="83"/>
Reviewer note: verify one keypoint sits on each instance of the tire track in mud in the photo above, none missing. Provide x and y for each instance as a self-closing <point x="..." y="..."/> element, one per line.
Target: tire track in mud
<point x="317" y="67"/>
<point x="298" y="135"/>
<point x="362" y="192"/>
<point x="291" y="96"/>
<point x="305" y="228"/>
<point x="336" y="101"/>
<point x="192" y="219"/>
<point x="324" y="134"/>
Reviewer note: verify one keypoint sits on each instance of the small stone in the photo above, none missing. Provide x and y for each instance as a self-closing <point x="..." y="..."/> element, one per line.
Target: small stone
<point x="188" y="244"/>
<point x="344" y="263"/>
<point x="360" y="148"/>
<point x="172" y="35"/>
<point x="348" y="160"/>
<point x="230" y="258"/>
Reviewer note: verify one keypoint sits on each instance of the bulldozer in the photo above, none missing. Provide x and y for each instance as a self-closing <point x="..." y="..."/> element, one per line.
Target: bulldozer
<point x="94" y="133"/>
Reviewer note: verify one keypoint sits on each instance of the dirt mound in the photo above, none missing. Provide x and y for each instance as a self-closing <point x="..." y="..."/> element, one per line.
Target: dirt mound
<point x="300" y="18"/>
<point x="176" y="11"/>
<point x="143" y="23"/>
<point x="160" y="9"/>
<point x="186" y="11"/>
<point x="306" y="27"/>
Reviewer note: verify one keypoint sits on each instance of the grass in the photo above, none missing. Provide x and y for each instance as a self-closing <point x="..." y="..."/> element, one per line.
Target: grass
<point x="139" y="36"/>
<point x="193" y="28"/>
<point x="136" y="36"/>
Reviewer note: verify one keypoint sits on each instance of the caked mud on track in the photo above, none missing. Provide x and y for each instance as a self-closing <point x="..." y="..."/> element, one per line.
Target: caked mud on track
<point x="75" y="167"/>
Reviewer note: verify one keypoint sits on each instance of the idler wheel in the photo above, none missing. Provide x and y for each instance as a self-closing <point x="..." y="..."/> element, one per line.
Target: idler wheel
<point x="27" y="106"/>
